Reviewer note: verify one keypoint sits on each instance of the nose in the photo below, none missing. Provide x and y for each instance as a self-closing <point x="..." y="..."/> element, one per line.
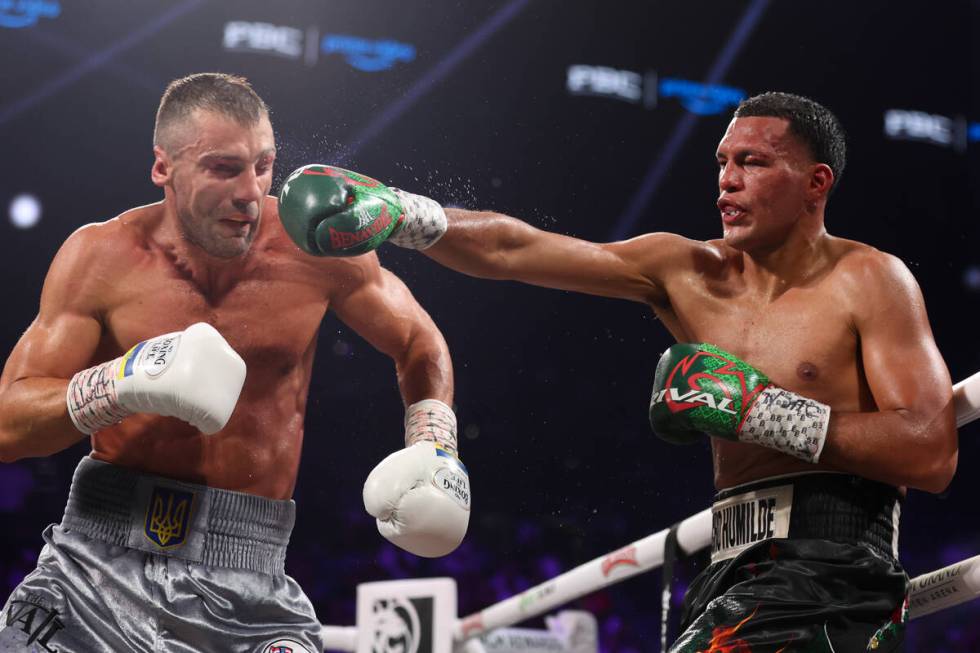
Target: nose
<point x="248" y="189"/>
<point x="729" y="178"/>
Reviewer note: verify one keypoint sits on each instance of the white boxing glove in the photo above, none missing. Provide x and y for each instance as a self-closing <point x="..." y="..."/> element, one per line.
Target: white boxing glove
<point x="193" y="375"/>
<point x="420" y="496"/>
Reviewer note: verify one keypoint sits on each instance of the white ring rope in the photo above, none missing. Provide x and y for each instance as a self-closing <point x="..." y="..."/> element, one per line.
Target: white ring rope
<point x="931" y="592"/>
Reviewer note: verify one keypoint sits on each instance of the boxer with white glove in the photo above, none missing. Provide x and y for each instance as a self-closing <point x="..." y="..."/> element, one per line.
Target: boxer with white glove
<point x="420" y="495"/>
<point x="193" y="375"/>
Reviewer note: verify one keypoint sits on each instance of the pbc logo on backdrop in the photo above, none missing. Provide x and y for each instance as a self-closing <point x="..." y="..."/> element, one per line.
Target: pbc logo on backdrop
<point x="935" y="129"/>
<point x="402" y="625"/>
<point x="602" y="81"/>
<point x="241" y="36"/>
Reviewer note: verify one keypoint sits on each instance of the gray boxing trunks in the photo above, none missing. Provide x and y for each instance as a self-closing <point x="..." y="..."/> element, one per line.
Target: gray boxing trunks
<point x="141" y="563"/>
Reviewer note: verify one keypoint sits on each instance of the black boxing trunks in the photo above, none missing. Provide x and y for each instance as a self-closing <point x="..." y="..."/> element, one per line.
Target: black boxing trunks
<point x="804" y="563"/>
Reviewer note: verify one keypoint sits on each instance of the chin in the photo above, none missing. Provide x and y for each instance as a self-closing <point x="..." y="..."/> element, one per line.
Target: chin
<point x="735" y="240"/>
<point x="231" y="250"/>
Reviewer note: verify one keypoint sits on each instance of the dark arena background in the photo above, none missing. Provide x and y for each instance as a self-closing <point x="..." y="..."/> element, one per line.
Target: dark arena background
<point x="592" y="118"/>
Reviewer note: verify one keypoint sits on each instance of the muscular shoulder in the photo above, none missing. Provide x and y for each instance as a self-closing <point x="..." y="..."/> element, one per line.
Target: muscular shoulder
<point x="659" y="254"/>
<point x="867" y="267"/>
<point x="91" y="260"/>
<point x="115" y="242"/>
<point x="872" y="279"/>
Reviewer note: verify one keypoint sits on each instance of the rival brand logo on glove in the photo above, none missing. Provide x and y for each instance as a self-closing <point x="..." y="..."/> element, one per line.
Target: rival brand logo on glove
<point x="167" y="516"/>
<point x="15" y="14"/>
<point x="693" y="397"/>
<point x="625" y="556"/>
<point x="677" y="401"/>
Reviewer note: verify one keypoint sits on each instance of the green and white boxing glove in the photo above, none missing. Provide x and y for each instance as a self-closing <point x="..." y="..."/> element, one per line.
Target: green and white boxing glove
<point x="699" y="388"/>
<point x="329" y="211"/>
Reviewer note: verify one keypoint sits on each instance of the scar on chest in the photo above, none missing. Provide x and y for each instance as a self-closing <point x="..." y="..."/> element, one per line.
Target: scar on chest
<point x="807" y="371"/>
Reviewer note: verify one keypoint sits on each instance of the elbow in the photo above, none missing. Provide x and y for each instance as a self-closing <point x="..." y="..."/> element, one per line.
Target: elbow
<point x="8" y="452"/>
<point x="938" y="474"/>
<point x="941" y="475"/>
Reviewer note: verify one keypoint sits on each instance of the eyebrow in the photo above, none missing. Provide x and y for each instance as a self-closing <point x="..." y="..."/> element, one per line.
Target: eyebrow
<point x="218" y="156"/>
<point x="743" y="153"/>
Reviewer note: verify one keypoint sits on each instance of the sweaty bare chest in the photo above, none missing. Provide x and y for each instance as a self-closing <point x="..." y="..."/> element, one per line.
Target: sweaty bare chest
<point x="270" y="322"/>
<point x="802" y="340"/>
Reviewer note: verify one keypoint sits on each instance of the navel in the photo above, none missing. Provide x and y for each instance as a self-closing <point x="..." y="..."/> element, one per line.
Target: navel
<point x="807" y="371"/>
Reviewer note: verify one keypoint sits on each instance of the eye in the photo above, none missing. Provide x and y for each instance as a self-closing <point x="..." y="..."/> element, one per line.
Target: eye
<point x="225" y="170"/>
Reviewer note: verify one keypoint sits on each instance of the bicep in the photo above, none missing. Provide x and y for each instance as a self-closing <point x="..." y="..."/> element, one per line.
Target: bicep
<point x="383" y="311"/>
<point x="64" y="336"/>
<point x="54" y="346"/>
<point x="902" y="363"/>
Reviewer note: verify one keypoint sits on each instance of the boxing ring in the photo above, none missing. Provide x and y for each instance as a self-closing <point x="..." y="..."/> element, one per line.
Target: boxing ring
<point x="489" y="630"/>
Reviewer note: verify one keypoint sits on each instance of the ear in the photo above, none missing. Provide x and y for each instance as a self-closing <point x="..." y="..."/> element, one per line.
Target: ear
<point x="162" y="169"/>
<point x="821" y="181"/>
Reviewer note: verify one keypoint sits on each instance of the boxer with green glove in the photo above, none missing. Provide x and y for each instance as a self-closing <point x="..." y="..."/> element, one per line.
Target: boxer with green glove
<point x="703" y="389"/>
<point x="330" y="211"/>
<point x="829" y="317"/>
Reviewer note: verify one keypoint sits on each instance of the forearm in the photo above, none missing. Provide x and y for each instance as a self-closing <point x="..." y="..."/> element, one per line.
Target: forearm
<point x="425" y="378"/>
<point x="479" y="243"/>
<point x="425" y="371"/>
<point x="898" y="447"/>
<point x="34" y="419"/>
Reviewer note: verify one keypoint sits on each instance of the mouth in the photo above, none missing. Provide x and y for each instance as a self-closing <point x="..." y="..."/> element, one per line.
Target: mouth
<point x="240" y="225"/>
<point x="731" y="213"/>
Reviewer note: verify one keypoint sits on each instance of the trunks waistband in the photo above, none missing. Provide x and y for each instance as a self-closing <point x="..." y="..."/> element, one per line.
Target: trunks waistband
<point x="819" y="505"/>
<point x="219" y="528"/>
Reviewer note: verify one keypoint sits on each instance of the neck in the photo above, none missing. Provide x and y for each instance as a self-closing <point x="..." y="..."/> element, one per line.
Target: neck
<point x="794" y="262"/>
<point x="212" y="275"/>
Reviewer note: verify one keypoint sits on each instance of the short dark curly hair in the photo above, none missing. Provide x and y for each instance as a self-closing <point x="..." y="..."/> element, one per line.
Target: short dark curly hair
<point x="813" y="123"/>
